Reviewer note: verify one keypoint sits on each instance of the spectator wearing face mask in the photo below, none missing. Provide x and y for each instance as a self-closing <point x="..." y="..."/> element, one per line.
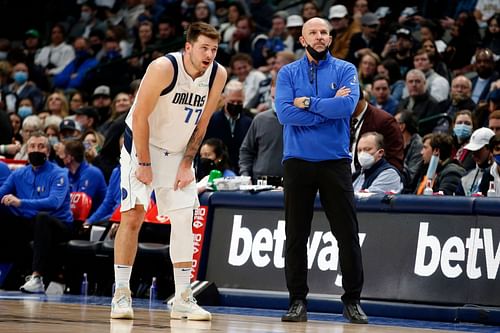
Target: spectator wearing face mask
<point x="230" y="124"/>
<point x="25" y="108"/>
<point x="35" y="205"/>
<point x="21" y="88"/>
<point x="376" y="175"/>
<point x="477" y="180"/>
<point x="88" y="22"/>
<point x="463" y="126"/>
<point x="213" y="156"/>
<point x="31" y="124"/>
<point x="73" y="75"/>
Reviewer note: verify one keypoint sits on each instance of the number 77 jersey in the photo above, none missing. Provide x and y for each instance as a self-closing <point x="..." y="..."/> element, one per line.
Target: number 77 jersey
<point x="179" y="107"/>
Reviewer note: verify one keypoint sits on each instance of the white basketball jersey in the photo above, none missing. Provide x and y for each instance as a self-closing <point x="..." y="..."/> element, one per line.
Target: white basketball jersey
<point x="179" y="107"/>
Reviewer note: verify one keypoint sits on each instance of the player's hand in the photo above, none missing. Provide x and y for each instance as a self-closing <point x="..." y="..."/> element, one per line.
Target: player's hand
<point x="11" y="200"/>
<point x="299" y="102"/>
<point x="344" y="91"/>
<point x="184" y="177"/>
<point x="144" y="174"/>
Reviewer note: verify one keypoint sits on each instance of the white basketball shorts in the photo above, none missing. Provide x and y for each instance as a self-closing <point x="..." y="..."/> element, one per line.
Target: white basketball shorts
<point x="164" y="167"/>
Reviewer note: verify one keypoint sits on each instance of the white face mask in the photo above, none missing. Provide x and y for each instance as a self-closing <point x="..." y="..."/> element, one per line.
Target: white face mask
<point x="366" y="160"/>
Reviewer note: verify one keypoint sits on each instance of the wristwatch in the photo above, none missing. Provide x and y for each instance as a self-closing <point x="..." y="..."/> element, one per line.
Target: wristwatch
<point x="307" y="102"/>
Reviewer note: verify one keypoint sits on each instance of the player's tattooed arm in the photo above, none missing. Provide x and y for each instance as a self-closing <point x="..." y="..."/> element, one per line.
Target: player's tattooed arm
<point x="193" y="145"/>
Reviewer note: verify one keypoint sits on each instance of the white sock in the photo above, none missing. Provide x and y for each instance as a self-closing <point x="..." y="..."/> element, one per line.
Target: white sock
<point x="182" y="279"/>
<point x="122" y="276"/>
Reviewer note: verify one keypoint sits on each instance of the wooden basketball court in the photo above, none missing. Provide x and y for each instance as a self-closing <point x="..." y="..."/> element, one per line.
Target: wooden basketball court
<point x="31" y="315"/>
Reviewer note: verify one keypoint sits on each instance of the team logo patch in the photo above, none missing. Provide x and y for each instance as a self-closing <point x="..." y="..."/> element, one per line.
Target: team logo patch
<point x="354" y="80"/>
<point x="333" y="85"/>
<point x="124" y="193"/>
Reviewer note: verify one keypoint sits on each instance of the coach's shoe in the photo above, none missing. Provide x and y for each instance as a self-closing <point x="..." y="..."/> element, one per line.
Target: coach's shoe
<point x="33" y="285"/>
<point x="186" y="308"/>
<point x="297" y="312"/>
<point x="121" y="305"/>
<point x="354" y="313"/>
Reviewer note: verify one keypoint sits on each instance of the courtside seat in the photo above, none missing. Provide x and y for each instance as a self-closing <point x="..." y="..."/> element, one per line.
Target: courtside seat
<point x="84" y="246"/>
<point x="153" y="249"/>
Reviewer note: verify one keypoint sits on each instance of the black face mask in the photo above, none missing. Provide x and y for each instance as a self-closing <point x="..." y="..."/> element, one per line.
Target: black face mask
<point x="96" y="48"/>
<point x="315" y="54"/>
<point x="234" y="109"/>
<point x="37" y="158"/>
<point x="205" y="165"/>
<point x="484" y="165"/>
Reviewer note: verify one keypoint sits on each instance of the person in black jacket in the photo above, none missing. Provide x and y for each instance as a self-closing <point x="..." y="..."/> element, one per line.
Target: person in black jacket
<point x="230" y="124"/>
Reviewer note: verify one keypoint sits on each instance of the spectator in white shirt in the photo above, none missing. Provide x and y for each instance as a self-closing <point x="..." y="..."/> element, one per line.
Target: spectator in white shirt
<point x="54" y="57"/>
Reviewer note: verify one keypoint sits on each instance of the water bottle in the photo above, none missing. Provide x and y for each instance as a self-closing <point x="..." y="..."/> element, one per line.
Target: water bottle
<point x="152" y="292"/>
<point x="492" y="191"/>
<point x="428" y="188"/>
<point x="214" y="174"/>
<point x="85" y="285"/>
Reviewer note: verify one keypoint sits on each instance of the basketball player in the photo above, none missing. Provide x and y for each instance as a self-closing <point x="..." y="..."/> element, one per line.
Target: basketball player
<point x="165" y="128"/>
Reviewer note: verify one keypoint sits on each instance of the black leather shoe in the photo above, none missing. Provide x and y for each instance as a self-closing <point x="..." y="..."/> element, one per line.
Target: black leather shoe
<point x="297" y="312"/>
<point x="354" y="313"/>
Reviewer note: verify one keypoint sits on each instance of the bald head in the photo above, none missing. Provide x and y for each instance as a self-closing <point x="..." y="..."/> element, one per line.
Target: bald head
<point x="316" y="38"/>
<point x="314" y="22"/>
<point x="461" y="88"/>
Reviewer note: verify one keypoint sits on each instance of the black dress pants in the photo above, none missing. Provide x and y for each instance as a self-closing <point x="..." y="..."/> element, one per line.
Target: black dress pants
<point x="45" y="231"/>
<point x="302" y="181"/>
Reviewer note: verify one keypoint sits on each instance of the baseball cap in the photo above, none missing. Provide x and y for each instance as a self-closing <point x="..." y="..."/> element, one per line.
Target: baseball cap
<point x="337" y="11"/>
<point x="102" y="91"/>
<point x="403" y="32"/>
<point x="382" y="12"/>
<point x="294" y="21"/>
<point x="32" y="33"/>
<point x="409" y="11"/>
<point x="369" y="19"/>
<point x="480" y="138"/>
<point x="68" y="124"/>
<point x="88" y="111"/>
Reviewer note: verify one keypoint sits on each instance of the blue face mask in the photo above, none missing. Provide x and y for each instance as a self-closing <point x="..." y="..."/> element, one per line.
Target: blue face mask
<point x="81" y="54"/>
<point x="53" y="140"/>
<point x="462" y="131"/>
<point x="20" y="77"/>
<point x="113" y="54"/>
<point x="24" y="111"/>
<point x="496" y="158"/>
<point x="85" y="16"/>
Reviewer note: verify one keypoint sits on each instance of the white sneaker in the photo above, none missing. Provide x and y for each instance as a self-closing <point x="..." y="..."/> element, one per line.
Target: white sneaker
<point x="186" y="308"/>
<point x="33" y="285"/>
<point x="121" y="305"/>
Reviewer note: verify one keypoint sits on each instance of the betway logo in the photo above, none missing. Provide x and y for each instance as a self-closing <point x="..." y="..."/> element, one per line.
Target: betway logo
<point x="267" y="244"/>
<point x="452" y="257"/>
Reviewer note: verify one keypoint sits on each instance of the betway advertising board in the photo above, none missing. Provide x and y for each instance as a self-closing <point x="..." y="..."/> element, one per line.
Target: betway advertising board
<point x="411" y="257"/>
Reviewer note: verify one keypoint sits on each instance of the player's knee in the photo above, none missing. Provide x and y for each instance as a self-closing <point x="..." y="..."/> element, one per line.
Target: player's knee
<point x="181" y="237"/>
<point x="133" y="218"/>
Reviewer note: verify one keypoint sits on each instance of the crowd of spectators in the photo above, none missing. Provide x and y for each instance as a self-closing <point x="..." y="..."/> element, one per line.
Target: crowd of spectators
<point x="430" y="76"/>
